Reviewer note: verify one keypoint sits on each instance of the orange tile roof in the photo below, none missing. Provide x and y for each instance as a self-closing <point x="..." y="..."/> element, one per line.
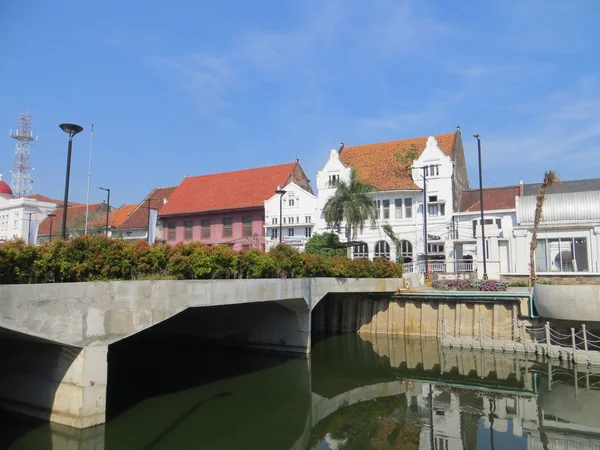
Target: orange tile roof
<point x="493" y="199"/>
<point x="139" y="217"/>
<point x="225" y="191"/>
<point x="118" y="216"/>
<point x="75" y="216"/>
<point x="43" y="198"/>
<point x="376" y="164"/>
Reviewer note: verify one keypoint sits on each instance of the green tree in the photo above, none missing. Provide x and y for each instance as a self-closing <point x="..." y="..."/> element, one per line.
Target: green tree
<point x="550" y="179"/>
<point x="321" y="244"/>
<point x="352" y="205"/>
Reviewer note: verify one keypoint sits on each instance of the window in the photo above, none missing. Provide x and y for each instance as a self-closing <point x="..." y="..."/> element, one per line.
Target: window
<point x="297" y="219"/>
<point x="434" y="170"/>
<point x="274" y="221"/>
<point x="405" y="251"/>
<point x="398" y="208"/>
<point x="291" y="202"/>
<point x="308" y="232"/>
<point x="386" y="209"/>
<point x="376" y="205"/>
<point x="274" y="233"/>
<point x="290" y="231"/>
<point x="284" y="220"/>
<point x="171" y="231"/>
<point x="227" y="227"/>
<point x="188" y="229"/>
<point x="247" y="221"/>
<point x="435" y="248"/>
<point x="333" y="180"/>
<point x="408" y="204"/>
<point x="307" y="219"/>
<point x="361" y="251"/>
<point x="562" y="255"/>
<point x="206" y="228"/>
<point x="246" y="247"/>
<point x="382" y="250"/>
<point x="426" y="170"/>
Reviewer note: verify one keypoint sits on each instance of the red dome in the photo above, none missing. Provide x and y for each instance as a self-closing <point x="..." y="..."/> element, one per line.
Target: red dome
<point x="4" y="188"/>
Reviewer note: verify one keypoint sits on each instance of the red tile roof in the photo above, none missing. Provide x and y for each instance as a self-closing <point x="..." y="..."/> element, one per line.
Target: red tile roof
<point x="75" y="218"/>
<point x="226" y="191"/>
<point x="118" y="216"/>
<point x="376" y="164"/>
<point x="139" y="217"/>
<point x="493" y="199"/>
<point x="43" y="198"/>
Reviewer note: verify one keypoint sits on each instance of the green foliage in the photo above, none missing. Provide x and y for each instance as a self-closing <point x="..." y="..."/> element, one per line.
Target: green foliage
<point x="407" y="156"/>
<point x="320" y="244"/>
<point x="96" y="258"/>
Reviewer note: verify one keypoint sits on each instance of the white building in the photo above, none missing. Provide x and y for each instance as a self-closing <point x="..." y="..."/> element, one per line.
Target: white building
<point x="299" y="213"/>
<point x="399" y="192"/>
<point x="20" y="217"/>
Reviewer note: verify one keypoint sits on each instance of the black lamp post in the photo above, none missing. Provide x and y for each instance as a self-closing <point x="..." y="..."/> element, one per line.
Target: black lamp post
<point x="485" y="275"/>
<point x="29" y="230"/>
<point x="71" y="129"/>
<point x="107" y="207"/>
<point x="281" y="192"/>
<point x="52" y="216"/>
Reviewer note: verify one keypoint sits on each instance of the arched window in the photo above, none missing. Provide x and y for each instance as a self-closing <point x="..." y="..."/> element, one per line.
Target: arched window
<point x="361" y="251"/>
<point x="382" y="250"/>
<point x="405" y="251"/>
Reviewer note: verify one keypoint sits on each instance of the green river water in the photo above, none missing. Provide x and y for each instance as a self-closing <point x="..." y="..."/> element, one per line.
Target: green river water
<point x="353" y="392"/>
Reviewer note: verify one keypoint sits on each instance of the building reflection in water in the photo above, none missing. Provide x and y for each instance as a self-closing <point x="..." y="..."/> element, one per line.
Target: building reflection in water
<point x="355" y="392"/>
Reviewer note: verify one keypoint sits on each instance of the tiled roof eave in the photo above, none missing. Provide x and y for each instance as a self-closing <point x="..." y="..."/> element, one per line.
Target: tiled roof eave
<point x="210" y="211"/>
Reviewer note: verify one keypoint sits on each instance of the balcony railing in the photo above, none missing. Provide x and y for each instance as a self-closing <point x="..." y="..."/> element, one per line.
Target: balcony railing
<point x="460" y="266"/>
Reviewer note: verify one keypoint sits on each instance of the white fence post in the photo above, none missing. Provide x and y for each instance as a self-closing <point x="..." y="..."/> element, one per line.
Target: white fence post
<point x="547" y="328"/>
<point x="573" y="344"/>
<point x="585" y="346"/>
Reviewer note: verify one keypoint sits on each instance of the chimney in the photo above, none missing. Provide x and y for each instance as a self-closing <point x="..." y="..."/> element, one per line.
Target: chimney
<point x="521" y="188"/>
<point x="341" y="147"/>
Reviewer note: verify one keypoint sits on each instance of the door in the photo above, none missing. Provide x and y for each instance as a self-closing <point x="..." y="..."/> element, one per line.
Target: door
<point x="504" y="257"/>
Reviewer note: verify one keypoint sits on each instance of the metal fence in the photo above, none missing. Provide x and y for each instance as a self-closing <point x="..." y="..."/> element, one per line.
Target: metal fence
<point x="451" y="266"/>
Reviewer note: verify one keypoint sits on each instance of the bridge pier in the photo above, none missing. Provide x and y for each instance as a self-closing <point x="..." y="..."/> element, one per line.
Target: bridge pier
<point x="62" y="384"/>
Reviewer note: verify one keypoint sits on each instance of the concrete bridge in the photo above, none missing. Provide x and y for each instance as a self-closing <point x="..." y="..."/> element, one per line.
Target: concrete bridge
<point x="62" y="375"/>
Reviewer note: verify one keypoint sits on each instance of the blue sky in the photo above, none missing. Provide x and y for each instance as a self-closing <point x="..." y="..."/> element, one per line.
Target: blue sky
<point x="195" y="87"/>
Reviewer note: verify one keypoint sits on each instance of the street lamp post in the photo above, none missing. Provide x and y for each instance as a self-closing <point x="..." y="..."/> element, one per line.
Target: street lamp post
<point x="485" y="275"/>
<point x="71" y="129"/>
<point x="29" y="229"/>
<point x="52" y="216"/>
<point x="107" y="207"/>
<point x="281" y="192"/>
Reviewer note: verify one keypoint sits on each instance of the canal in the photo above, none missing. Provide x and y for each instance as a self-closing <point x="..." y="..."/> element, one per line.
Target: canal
<point x="354" y="392"/>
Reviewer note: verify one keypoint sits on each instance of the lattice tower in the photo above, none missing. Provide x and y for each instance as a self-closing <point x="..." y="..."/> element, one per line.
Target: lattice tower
<point x="22" y="181"/>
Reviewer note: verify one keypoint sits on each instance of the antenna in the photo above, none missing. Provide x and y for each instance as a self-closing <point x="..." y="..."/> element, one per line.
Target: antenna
<point x="22" y="181"/>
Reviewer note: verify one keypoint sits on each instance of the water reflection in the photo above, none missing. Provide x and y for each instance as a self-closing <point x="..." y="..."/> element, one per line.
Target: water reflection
<point x="369" y="392"/>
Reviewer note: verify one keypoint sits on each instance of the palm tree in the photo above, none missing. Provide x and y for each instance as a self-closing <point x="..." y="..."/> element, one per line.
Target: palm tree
<point x="351" y="204"/>
<point x="550" y="178"/>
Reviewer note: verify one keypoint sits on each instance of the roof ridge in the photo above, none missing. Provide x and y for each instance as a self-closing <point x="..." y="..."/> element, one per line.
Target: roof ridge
<point x="399" y="140"/>
<point x="242" y="170"/>
<point x="491" y="188"/>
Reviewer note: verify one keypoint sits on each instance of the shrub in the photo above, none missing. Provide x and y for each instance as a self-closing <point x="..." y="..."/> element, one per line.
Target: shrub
<point x="441" y="285"/>
<point x="463" y="285"/>
<point x="93" y="258"/>
<point x="493" y="285"/>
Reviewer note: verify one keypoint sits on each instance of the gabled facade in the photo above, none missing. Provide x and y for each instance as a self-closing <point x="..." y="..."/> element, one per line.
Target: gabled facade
<point x="298" y="214"/>
<point x="226" y="208"/>
<point x="135" y="226"/>
<point x="396" y="170"/>
<point x="51" y="226"/>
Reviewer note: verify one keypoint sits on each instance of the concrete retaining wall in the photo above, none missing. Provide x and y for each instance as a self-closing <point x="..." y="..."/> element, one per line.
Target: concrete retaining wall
<point x="579" y="303"/>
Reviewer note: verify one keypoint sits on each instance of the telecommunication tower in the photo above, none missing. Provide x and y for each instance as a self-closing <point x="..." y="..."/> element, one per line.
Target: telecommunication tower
<point x="22" y="182"/>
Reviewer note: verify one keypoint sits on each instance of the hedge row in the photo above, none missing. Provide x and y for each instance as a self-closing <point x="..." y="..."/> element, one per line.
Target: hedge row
<point x="95" y="258"/>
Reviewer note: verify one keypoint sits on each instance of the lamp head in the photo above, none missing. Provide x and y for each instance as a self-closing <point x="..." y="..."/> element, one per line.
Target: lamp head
<point x="476" y="135"/>
<point x="71" y="129"/>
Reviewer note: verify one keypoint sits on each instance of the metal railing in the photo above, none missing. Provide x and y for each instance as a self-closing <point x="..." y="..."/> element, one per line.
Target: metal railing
<point x="576" y="346"/>
<point x="460" y="266"/>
